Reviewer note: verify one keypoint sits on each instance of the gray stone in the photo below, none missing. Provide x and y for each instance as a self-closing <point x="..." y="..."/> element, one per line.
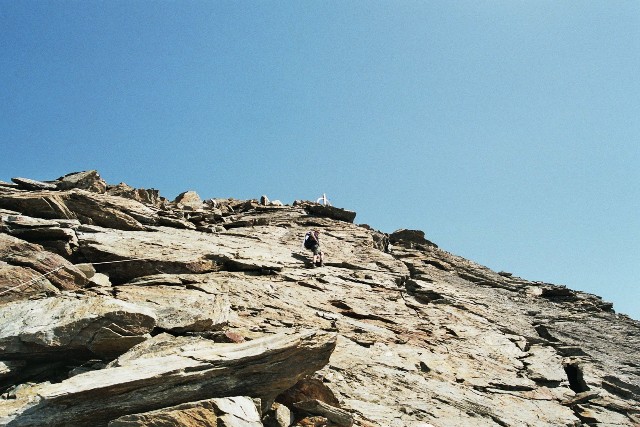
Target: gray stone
<point x="279" y="416"/>
<point x="32" y="184"/>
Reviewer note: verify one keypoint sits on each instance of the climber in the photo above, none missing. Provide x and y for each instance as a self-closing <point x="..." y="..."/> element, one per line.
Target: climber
<point x="312" y="242"/>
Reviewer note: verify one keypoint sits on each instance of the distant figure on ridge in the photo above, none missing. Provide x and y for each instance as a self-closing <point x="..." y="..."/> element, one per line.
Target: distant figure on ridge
<point x="312" y="242"/>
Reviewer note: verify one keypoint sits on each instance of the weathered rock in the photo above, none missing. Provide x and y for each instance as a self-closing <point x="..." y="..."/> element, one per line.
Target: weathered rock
<point x="160" y="345"/>
<point x="56" y="236"/>
<point x="424" y="337"/>
<point x="172" y="251"/>
<point x="175" y="222"/>
<point x="179" y="309"/>
<point x="308" y="389"/>
<point x="261" y="368"/>
<point x="20" y="282"/>
<point x="87" y="180"/>
<point x="109" y="211"/>
<point x="27" y="268"/>
<point x="99" y="280"/>
<point x="190" y="200"/>
<point x="409" y="237"/>
<point x="279" y="416"/>
<point x="87" y="269"/>
<point x="142" y="195"/>
<point x="41" y="204"/>
<point x="11" y="185"/>
<point x="89" y="208"/>
<point x="32" y="184"/>
<point x="544" y="366"/>
<point x="220" y="412"/>
<point x="57" y="327"/>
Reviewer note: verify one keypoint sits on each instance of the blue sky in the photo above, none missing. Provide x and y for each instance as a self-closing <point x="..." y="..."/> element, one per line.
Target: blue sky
<point x="507" y="130"/>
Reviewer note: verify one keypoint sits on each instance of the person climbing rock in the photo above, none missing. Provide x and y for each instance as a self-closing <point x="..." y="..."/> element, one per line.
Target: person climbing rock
<point x="312" y="242"/>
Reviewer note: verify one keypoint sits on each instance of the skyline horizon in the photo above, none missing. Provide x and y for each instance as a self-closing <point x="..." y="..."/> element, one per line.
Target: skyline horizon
<point x="506" y="131"/>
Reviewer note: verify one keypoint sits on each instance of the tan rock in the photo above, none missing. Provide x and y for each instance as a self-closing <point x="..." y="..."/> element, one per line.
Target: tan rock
<point x="425" y="337"/>
<point x="87" y="180"/>
<point x="190" y="200"/>
<point x="142" y="195"/>
<point x="221" y="412"/>
<point x="261" y="369"/>
<point x="178" y="309"/>
<point x="89" y="208"/>
<point x="65" y="325"/>
<point x="26" y="269"/>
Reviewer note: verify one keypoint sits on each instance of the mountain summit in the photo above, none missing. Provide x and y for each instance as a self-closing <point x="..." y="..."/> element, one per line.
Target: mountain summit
<point x="121" y="308"/>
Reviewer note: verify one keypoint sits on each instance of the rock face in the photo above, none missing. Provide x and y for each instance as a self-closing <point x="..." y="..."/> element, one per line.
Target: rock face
<point x="60" y="326"/>
<point x="27" y="269"/>
<point x="150" y="312"/>
<point x="262" y="369"/>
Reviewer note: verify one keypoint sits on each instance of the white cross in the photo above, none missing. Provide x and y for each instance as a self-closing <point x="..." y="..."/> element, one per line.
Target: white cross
<point x="324" y="200"/>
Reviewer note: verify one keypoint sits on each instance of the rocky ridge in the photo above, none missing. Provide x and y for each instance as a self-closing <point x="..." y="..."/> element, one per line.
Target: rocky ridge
<point x="121" y="308"/>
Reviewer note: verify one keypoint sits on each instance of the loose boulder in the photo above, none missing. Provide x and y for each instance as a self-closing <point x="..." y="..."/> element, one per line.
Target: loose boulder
<point x="189" y="200"/>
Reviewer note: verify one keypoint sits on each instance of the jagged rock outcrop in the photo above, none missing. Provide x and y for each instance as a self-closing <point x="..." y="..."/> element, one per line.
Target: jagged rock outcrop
<point x="221" y="302"/>
<point x="87" y="180"/>
<point x="262" y="369"/>
<point x="142" y="195"/>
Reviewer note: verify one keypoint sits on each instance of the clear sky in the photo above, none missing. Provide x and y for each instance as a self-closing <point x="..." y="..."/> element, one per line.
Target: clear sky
<point x="509" y="131"/>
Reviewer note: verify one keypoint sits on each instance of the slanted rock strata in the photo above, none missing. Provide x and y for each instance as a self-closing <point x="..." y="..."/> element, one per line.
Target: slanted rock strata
<point x="138" y="310"/>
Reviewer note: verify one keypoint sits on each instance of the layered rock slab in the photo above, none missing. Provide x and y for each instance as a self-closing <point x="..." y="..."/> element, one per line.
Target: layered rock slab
<point x="89" y="208"/>
<point x="27" y="268"/>
<point x="67" y="325"/>
<point x="179" y="309"/>
<point x="262" y="369"/>
<point x="170" y="250"/>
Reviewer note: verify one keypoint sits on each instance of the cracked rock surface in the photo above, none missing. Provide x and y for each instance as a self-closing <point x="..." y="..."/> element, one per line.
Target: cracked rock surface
<point x="195" y="301"/>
